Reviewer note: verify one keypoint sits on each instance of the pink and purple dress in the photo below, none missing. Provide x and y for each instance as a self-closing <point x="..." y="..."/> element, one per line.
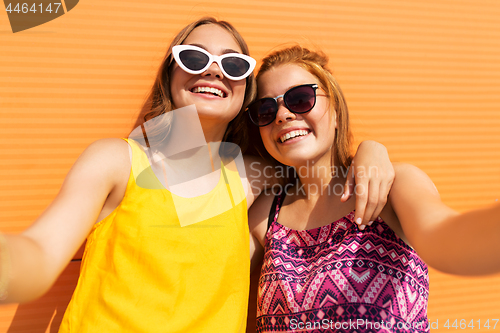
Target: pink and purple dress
<point x="339" y="279"/>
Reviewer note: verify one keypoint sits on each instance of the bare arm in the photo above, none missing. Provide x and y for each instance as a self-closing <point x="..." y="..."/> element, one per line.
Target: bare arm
<point x="370" y="178"/>
<point x="454" y="243"/>
<point x="259" y="177"/>
<point x="257" y="221"/>
<point x="41" y="252"/>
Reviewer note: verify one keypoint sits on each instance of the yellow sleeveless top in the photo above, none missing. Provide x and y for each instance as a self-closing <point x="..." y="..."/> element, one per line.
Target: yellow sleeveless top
<point x="143" y="272"/>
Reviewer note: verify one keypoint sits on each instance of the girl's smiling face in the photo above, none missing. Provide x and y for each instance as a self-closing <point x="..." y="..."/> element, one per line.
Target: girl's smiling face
<point x="314" y="131"/>
<point x="187" y="89"/>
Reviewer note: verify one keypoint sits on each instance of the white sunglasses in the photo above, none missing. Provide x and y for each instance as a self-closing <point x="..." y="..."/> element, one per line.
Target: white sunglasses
<point x="195" y="60"/>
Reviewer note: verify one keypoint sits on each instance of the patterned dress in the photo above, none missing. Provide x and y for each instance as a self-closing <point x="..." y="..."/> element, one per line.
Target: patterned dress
<point x="338" y="279"/>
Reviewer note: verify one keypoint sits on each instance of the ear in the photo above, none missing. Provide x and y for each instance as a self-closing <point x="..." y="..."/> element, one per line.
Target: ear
<point x="334" y="116"/>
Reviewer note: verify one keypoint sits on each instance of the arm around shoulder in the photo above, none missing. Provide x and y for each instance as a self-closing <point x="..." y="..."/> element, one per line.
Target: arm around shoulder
<point x="39" y="254"/>
<point x="465" y="243"/>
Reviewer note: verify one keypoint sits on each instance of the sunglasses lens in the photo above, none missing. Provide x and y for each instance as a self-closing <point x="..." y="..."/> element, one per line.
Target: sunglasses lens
<point x="263" y="111"/>
<point x="301" y="99"/>
<point x="235" y="66"/>
<point x="193" y="59"/>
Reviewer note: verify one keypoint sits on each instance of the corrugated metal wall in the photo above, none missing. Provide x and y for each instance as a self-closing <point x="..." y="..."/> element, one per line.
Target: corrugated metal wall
<point x="421" y="77"/>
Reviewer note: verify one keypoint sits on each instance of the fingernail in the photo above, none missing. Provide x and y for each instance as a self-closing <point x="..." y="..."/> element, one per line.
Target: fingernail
<point x="370" y="223"/>
<point x="358" y="221"/>
<point x="362" y="227"/>
<point x="343" y="196"/>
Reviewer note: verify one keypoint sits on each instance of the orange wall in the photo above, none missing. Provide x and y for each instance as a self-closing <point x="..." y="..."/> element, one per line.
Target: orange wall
<point x="421" y="77"/>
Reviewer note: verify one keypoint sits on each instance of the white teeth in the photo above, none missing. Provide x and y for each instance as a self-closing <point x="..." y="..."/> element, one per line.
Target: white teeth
<point x="293" y="134"/>
<point x="209" y="90"/>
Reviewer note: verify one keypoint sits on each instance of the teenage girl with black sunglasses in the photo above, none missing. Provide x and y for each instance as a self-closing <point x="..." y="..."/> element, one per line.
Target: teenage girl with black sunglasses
<point x="319" y="272"/>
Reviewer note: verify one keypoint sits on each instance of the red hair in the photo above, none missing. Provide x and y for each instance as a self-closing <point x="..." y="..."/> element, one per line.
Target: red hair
<point x="316" y="63"/>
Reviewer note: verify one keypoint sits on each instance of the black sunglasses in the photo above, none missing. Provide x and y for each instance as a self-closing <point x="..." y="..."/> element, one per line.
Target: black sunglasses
<point x="299" y="99"/>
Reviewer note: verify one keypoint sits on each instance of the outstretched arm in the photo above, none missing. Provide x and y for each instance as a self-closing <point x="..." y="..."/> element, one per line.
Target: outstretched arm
<point x="32" y="261"/>
<point x="466" y="243"/>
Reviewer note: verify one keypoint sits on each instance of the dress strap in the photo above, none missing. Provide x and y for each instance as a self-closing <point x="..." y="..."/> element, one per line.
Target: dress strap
<point x="275" y="208"/>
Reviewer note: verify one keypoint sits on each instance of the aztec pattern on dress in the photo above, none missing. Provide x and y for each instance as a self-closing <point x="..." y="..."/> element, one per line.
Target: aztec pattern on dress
<point x="339" y="279"/>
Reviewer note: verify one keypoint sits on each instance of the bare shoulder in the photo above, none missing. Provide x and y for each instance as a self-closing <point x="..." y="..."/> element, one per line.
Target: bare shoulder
<point x="409" y="186"/>
<point x="108" y="157"/>
<point x="262" y="205"/>
<point x="416" y="202"/>
<point x="411" y="181"/>
<point x="259" y="214"/>
<point x="106" y="165"/>
<point x="412" y="190"/>
<point x="94" y="178"/>
<point x="407" y="169"/>
<point x="258" y="176"/>
<point x="108" y="150"/>
<point x="102" y="170"/>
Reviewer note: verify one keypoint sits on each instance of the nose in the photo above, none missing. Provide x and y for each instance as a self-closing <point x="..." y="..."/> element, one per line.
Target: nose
<point x="213" y="70"/>
<point x="283" y="115"/>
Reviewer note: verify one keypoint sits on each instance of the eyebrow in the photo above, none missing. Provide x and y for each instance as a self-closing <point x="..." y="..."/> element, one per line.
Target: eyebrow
<point x="290" y="87"/>
<point x="225" y="51"/>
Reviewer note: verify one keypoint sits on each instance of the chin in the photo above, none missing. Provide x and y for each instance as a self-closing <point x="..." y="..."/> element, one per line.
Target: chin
<point x="214" y="113"/>
<point x="293" y="161"/>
